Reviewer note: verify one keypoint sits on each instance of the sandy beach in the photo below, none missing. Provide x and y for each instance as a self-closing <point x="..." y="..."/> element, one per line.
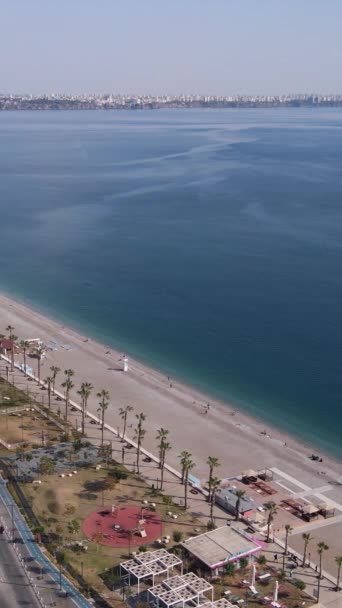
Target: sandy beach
<point x="235" y="438"/>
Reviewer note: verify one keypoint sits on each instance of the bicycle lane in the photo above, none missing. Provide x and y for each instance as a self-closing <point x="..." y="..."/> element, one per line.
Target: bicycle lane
<point x="35" y="550"/>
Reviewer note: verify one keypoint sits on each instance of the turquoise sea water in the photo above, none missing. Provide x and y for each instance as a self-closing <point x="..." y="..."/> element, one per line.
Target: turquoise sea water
<point x="206" y="243"/>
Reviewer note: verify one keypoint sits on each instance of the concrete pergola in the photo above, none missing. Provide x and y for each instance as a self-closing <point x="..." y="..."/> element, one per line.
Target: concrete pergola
<point x="150" y="565"/>
<point x="181" y="590"/>
<point x="221" y="603"/>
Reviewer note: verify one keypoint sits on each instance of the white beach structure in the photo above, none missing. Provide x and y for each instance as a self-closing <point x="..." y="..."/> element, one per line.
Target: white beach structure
<point x="276" y="591"/>
<point x="180" y="590"/>
<point x="125" y="362"/>
<point x="149" y="565"/>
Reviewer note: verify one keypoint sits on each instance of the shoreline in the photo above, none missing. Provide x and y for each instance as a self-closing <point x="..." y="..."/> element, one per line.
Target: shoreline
<point x="202" y="394"/>
<point x="149" y="389"/>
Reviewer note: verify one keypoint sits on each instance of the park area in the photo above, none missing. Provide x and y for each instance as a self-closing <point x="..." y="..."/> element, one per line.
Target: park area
<point x="98" y="515"/>
<point x="235" y="585"/>
<point x="23" y="423"/>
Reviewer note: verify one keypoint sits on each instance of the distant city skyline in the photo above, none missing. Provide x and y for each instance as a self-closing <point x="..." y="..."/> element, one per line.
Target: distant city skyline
<point x="221" y="47"/>
<point x="150" y="102"/>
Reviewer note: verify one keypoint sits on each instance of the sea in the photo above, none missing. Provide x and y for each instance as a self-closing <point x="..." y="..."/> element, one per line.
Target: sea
<point x="205" y="243"/>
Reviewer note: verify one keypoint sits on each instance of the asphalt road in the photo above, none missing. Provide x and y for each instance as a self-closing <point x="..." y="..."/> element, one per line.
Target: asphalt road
<point x="15" y="590"/>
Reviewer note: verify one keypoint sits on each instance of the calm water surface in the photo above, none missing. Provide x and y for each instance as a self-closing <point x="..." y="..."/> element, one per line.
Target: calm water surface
<point x="206" y="243"/>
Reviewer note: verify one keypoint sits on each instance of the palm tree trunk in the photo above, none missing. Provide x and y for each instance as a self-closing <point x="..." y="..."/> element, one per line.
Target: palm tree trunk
<point x="210" y="483"/>
<point x="338" y="577"/>
<point x="49" y="394"/>
<point x="124" y="429"/>
<point x="102" y="428"/>
<point x="211" y="508"/>
<point x="25" y="361"/>
<point x="138" y="455"/>
<point x="318" y="589"/>
<point x="66" y="405"/>
<point x="162" y="467"/>
<point x="162" y="477"/>
<point x="12" y="356"/>
<point x="186" y="491"/>
<point x="304" y="554"/>
<point x="83" y="414"/>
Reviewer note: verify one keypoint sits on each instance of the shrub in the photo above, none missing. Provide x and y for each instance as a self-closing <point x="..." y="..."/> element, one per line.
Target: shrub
<point x="69" y="509"/>
<point x="299" y="584"/>
<point x="230" y="569"/>
<point x="177" y="536"/>
<point x="143" y="548"/>
<point x="118" y="473"/>
<point x="261" y="560"/>
<point x="53" y="507"/>
<point x="243" y="563"/>
<point x="211" y="525"/>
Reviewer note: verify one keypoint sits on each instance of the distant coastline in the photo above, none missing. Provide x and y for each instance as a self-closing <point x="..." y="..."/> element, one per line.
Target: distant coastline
<point x="19" y="102"/>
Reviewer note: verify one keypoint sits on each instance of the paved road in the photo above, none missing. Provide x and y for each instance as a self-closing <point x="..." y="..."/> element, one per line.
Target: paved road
<point x="15" y="589"/>
<point x="35" y="552"/>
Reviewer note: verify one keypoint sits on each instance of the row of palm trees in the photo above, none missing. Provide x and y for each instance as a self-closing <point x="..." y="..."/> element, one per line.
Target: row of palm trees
<point x="50" y="382"/>
<point x="186" y="459"/>
<point x="85" y="391"/>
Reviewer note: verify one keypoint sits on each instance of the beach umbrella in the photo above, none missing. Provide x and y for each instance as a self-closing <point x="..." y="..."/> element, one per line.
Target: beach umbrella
<point x="253" y="575"/>
<point x="276" y="589"/>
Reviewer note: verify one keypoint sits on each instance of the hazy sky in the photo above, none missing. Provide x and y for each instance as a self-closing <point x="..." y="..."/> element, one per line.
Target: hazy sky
<point x="171" y="46"/>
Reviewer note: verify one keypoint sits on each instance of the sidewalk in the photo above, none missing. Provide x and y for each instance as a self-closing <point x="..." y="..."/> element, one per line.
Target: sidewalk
<point x="328" y="595"/>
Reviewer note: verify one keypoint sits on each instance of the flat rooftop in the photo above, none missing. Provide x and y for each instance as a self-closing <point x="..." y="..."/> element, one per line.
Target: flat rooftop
<point x="221" y="545"/>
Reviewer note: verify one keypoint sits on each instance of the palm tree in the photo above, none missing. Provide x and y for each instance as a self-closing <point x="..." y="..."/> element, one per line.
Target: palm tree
<point x="103" y="406"/>
<point x="67" y="385"/>
<point x="306" y="538"/>
<point x="139" y="435"/>
<point x="124" y="411"/>
<point x="84" y="392"/>
<point x="183" y="457"/>
<point x="271" y="507"/>
<point x="55" y="370"/>
<point x="239" y="494"/>
<point x="24" y="346"/>
<point x="10" y="329"/>
<point x="338" y="561"/>
<point x="48" y="382"/>
<point x="215" y="484"/>
<point x="166" y="448"/>
<point x="288" y="529"/>
<point x="161" y="437"/>
<point x="321" y="547"/>
<point x="212" y="463"/>
<point x="40" y="351"/>
<point x="188" y="466"/>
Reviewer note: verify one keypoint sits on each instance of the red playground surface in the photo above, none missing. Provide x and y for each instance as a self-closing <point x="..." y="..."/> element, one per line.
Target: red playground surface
<point x="123" y="526"/>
